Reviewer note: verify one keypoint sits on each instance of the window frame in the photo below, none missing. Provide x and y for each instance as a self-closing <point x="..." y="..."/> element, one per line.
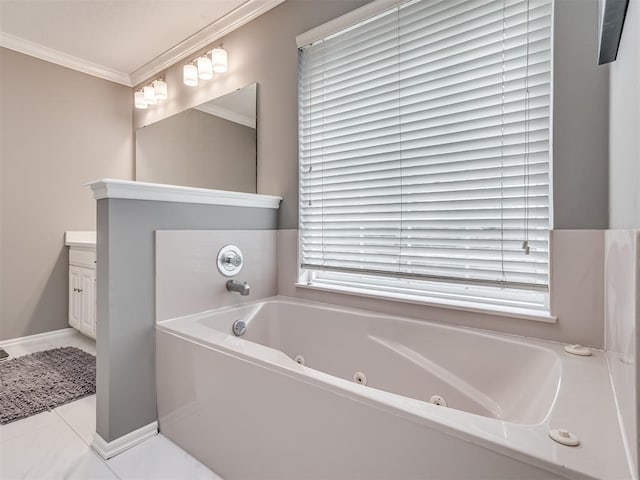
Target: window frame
<point x="457" y="295"/>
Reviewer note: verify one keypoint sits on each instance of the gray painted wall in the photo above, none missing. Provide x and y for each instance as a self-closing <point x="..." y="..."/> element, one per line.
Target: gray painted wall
<point x="59" y="130"/>
<point x="580" y="119"/>
<point x="265" y="51"/>
<point x="126" y="385"/>
<point x="196" y="149"/>
<point x="624" y="113"/>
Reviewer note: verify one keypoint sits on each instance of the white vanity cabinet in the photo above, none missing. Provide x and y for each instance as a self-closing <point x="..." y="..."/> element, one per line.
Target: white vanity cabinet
<point x="82" y="281"/>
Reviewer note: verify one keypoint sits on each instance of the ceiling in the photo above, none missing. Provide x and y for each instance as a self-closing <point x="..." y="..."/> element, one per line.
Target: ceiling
<point x="121" y="40"/>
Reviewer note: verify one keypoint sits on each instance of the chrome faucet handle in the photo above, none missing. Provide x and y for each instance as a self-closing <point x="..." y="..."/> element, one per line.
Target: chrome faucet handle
<point x="230" y="260"/>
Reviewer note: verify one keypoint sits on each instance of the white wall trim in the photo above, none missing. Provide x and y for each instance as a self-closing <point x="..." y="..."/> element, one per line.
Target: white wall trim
<point x="38" y="337"/>
<point x="80" y="239"/>
<point x="60" y="58"/>
<point x="110" y="188"/>
<point x="345" y="21"/>
<point x="227" y="114"/>
<point x="209" y="34"/>
<point x="110" y="449"/>
<point x="465" y="306"/>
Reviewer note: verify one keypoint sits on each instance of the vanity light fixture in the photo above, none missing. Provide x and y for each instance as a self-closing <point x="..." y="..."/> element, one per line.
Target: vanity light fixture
<point x="151" y="94"/>
<point x="203" y="67"/>
<point x="219" y="59"/>
<point x="139" y="100"/>
<point x="161" y="90"/>
<point x="190" y="75"/>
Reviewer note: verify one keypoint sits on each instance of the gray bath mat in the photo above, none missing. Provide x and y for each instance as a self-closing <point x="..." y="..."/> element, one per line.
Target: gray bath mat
<point x="44" y="380"/>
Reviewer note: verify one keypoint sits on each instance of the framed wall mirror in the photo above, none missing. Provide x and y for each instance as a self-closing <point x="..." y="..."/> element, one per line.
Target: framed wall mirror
<point x="212" y="145"/>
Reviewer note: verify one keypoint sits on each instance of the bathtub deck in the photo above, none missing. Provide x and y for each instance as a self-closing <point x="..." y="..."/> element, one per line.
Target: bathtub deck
<point x="584" y="403"/>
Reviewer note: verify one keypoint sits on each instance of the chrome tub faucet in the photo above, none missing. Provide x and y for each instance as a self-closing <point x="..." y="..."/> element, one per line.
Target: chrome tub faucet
<point x="241" y="287"/>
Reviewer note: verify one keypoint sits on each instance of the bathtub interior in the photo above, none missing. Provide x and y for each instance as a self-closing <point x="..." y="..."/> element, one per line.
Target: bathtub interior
<point x="493" y="376"/>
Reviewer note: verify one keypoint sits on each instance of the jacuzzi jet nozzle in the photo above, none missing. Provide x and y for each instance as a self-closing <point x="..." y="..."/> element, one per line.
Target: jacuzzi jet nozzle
<point x="360" y="378"/>
<point x="239" y="328"/>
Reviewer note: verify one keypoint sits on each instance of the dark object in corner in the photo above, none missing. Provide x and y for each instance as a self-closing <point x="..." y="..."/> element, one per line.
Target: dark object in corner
<point x="3" y="354"/>
<point x="612" y="13"/>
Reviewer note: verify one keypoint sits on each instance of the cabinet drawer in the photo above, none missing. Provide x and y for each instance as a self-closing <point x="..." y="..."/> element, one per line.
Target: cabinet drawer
<point x="82" y="258"/>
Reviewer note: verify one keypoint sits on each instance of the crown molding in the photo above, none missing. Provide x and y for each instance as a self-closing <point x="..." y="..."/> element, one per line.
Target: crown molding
<point x="209" y="34"/>
<point x="227" y="114"/>
<point x="60" y="58"/>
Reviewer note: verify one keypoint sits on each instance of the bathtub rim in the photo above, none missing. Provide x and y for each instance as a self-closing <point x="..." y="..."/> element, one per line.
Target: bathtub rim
<point x="251" y="309"/>
<point x="468" y="427"/>
<point x="513" y="337"/>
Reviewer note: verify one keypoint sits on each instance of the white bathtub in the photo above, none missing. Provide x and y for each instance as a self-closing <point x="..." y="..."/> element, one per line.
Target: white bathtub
<point x="244" y="407"/>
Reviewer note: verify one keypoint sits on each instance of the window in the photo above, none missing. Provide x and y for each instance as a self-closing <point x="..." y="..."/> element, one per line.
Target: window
<point x="424" y="152"/>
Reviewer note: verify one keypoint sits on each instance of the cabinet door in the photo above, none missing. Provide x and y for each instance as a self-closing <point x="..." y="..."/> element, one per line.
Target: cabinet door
<point x="75" y="297"/>
<point x="88" y="282"/>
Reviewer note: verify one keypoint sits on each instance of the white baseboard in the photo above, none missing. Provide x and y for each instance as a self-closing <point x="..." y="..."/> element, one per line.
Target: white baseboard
<point x="110" y="449"/>
<point x="38" y="337"/>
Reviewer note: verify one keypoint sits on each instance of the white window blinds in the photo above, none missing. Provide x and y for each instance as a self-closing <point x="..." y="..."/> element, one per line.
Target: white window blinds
<point x="424" y="144"/>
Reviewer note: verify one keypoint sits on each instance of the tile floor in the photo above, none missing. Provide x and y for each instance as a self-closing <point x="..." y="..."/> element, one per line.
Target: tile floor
<point x="56" y="444"/>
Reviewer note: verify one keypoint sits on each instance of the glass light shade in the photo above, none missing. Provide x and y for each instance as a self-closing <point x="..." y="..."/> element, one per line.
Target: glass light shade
<point x="139" y="100"/>
<point x="190" y="75"/>
<point x="149" y="95"/>
<point x="160" y="89"/>
<point x="205" y="68"/>
<point x="219" y="60"/>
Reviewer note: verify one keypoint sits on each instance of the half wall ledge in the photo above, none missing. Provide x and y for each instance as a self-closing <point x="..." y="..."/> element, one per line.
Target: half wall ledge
<point x="112" y="188"/>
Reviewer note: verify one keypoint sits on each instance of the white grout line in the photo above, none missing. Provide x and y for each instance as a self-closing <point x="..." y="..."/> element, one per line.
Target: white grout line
<point x="55" y="410"/>
<point x="77" y="434"/>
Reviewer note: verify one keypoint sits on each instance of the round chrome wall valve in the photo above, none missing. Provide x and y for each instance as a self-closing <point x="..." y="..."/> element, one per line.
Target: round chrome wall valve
<point x="230" y="260"/>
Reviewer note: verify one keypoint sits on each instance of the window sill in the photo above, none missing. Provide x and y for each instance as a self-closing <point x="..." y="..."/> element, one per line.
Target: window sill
<point x="504" y="311"/>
